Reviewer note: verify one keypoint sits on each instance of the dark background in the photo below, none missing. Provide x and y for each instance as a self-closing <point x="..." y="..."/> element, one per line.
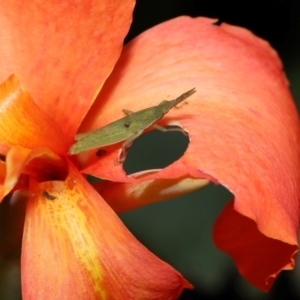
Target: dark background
<point x="180" y="230"/>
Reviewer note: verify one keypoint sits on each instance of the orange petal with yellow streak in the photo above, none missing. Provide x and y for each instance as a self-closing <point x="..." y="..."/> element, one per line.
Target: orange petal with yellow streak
<point x="75" y="247"/>
<point x="23" y="123"/>
<point x="240" y="238"/>
<point x="62" y="51"/>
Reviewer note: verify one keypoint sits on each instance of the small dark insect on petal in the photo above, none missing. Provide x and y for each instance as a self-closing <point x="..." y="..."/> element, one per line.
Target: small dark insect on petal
<point x="100" y="152"/>
<point x="2" y="157"/>
<point x="126" y="125"/>
<point x="48" y="196"/>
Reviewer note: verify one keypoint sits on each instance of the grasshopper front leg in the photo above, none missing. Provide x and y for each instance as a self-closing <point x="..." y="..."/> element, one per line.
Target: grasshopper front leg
<point x="122" y="154"/>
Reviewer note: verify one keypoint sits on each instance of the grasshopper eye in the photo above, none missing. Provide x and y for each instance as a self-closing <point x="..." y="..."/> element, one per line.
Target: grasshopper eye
<point x="126" y="125"/>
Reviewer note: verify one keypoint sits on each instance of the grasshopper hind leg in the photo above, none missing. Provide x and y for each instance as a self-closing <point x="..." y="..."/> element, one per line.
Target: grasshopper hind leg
<point x="123" y="152"/>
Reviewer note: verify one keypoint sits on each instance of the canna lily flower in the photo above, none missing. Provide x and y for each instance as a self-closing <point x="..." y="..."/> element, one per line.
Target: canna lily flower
<point x="72" y="74"/>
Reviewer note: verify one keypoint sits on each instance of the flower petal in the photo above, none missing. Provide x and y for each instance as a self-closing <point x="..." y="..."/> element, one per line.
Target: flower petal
<point x="73" y="240"/>
<point x="122" y="197"/>
<point x="40" y="163"/>
<point x="242" y="123"/>
<point x="240" y="238"/>
<point x="62" y="51"/>
<point x="23" y="123"/>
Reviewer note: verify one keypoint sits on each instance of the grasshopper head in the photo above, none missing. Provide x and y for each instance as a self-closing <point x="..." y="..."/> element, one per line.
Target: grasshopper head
<point x="165" y="106"/>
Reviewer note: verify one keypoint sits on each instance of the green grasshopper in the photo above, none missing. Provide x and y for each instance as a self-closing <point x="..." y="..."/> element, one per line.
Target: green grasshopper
<point x="127" y="128"/>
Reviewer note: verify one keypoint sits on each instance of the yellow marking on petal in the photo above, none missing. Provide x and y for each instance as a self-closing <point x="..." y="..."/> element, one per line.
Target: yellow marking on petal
<point x="67" y="214"/>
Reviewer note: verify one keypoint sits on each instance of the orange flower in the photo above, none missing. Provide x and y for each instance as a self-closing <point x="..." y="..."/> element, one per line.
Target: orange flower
<point x="74" y="246"/>
<point x="242" y="124"/>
